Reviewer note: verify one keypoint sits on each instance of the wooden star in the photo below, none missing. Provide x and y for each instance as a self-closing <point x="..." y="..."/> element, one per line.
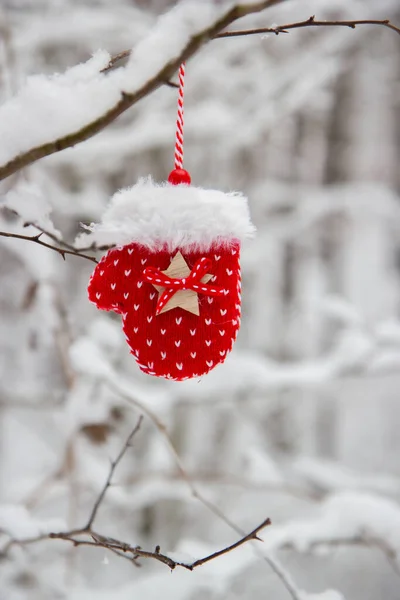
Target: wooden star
<point x="186" y="299"/>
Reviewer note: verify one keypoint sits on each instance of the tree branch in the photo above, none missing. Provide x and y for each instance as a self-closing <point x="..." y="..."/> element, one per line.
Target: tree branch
<point x="253" y="535"/>
<point x="126" y="54"/>
<point x="129" y="99"/>
<point x="163" y="76"/>
<point x="53" y="237"/>
<point x="310" y="22"/>
<point x="118" y="547"/>
<point x="284" y="576"/>
<point x="114" y="465"/>
<point x="124" y="392"/>
<point x="36" y="239"/>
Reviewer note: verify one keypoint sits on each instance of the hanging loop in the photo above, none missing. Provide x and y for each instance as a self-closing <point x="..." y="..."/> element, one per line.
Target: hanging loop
<point x="179" y="175"/>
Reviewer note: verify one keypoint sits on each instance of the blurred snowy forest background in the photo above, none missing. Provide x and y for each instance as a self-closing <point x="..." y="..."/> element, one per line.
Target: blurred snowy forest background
<point x="301" y="424"/>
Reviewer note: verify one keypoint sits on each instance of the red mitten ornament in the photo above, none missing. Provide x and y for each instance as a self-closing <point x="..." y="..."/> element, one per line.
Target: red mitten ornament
<point x="174" y="275"/>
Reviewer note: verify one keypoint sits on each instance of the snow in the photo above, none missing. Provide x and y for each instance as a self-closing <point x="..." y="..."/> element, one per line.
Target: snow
<point x="327" y="595"/>
<point x="27" y="199"/>
<point x="92" y="360"/>
<point x="332" y="476"/>
<point x="87" y="358"/>
<point x="260" y="468"/>
<point x="340" y="310"/>
<point x="169" y="36"/>
<point x="19" y="523"/>
<point x="345" y="516"/>
<point x="47" y="108"/>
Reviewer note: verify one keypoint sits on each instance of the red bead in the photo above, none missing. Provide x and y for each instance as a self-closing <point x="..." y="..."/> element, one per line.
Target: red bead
<point x="178" y="176"/>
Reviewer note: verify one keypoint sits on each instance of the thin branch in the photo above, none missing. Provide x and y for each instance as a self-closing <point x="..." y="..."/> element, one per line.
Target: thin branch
<point x="284" y="576"/>
<point x="122" y="548"/>
<point x="114" y="465"/>
<point x="52" y="236"/>
<point x="129" y="99"/>
<point x="161" y="427"/>
<point x="87" y="529"/>
<point x="118" y="547"/>
<point x="92" y="247"/>
<point x="67" y="245"/>
<point x="250" y="536"/>
<point x="126" y="54"/>
<point x="115" y="59"/>
<point x="36" y="239"/>
<point x="310" y="22"/>
<point x="272" y="562"/>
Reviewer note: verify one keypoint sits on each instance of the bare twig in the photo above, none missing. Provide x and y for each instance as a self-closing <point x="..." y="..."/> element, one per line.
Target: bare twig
<point x="284" y="576"/>
<point x="114" y="465"/>
<point x="161" y="427"/>
<point x="85" y="536"/>
<point x="87" y="529"/>
<point x="310" y="22"/>
<point x="272" y="562"/>
<point x="36" y="239"/>
<point x="92" y="247"/>
<point x="67" y="245"/>
<point x="250" y="536"/>
<point x="123" y="549"/>
<point x="52" y="236"/>
<point x="115" y="59"/>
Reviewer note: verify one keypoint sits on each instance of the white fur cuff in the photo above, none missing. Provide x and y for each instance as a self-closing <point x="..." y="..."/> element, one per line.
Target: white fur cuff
<point x="159" y="215"/>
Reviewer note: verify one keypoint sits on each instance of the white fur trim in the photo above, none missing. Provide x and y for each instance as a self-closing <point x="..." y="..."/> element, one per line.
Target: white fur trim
<point x="183" y="216"/>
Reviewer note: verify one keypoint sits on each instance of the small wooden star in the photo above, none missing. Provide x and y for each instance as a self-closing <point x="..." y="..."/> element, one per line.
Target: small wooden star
<point x="186" y="299"/>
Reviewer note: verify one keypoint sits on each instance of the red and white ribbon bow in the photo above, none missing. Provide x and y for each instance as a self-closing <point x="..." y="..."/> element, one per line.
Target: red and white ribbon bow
<point x="191" y="282"/>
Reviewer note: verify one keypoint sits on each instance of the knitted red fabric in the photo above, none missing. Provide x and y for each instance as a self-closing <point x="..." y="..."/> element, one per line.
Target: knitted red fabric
<point x="175" y="344"/>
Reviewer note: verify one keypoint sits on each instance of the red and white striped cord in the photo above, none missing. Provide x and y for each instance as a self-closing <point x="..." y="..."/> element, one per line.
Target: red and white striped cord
<point x="179" y="175"/>
<point x="179" y="121"/>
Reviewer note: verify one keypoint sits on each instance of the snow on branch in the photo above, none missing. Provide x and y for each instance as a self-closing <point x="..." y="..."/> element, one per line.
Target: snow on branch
<point x="346" y="519"/>
<point x="85" y="99"/>
<point x="276" y="29"/>
<point x="50" y="114"/>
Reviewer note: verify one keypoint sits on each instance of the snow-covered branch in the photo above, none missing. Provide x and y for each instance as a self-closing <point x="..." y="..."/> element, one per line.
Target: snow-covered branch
<point x="87" y="98"/>
<point x="345" y="519"/>
<point x="51" y="114"/>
